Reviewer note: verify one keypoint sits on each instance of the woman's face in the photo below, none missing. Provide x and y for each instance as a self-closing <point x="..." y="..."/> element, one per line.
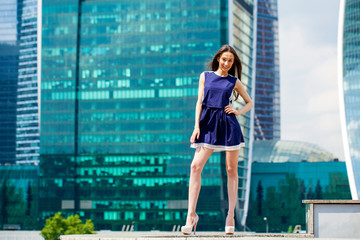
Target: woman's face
<point x="226" y="60"/>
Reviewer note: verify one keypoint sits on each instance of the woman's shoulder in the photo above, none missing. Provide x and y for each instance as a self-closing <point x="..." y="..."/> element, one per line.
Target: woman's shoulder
<point x="233" y="77"/>
<point x="205" y="73"/>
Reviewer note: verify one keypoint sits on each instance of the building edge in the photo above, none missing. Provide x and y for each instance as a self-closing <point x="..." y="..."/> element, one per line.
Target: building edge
<point x="230" y="22"/>
<point x="252" y="116"/>
<point x="349" y="166"/>
<point x="39" y="50"/>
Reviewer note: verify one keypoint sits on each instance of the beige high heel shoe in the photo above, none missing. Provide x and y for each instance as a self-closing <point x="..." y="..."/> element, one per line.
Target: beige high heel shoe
<point x="188" y="229"/>
<point x="229" y="229"/>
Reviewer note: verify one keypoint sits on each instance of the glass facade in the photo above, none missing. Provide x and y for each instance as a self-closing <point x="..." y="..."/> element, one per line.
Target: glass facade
<point x="349" y="89"/>
<point x="277" y="190"/>
<point x="19" y="187"/>
<point x="9" y="61"/>
<point x="118" y="93"/>
<point x="267" y="89"/>
<point x="27" y="120"/>
<point x="283" y="174"/>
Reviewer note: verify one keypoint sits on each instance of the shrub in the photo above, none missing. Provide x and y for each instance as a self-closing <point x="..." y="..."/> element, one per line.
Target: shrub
<point x="57" y="225"/>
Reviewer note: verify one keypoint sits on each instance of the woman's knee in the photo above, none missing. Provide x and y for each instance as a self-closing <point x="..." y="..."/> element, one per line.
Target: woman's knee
<point x="196" y="167"/>
<point x="232" y="171"/>
<point x="200" y="158"/>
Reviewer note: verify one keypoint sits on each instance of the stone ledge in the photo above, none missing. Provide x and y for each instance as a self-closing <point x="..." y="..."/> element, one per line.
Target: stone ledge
<point x="333" y="218"/>
<point x="180" y="236"/>
<point x="331" y="201"/>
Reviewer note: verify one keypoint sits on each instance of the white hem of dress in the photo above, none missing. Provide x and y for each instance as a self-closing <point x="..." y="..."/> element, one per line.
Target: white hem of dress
<point x="218" y="148"/>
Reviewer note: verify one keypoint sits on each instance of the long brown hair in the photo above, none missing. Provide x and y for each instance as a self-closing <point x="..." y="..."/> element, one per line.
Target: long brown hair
<point x="236" y="68"/>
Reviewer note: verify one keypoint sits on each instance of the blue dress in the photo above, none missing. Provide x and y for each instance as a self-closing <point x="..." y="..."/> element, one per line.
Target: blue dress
<point x="218" y="130"/>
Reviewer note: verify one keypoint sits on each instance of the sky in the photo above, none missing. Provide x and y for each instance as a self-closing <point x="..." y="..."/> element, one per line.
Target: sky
<point x="308" y="32"/>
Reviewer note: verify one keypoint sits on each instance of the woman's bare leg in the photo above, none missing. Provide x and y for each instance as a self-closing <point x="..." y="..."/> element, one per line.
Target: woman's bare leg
<point x="201" y="156"/>
<point x="232" y="158"/>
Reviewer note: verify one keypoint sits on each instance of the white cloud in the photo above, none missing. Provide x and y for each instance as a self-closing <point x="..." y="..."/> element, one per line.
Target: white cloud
<point x="308" y="67"/>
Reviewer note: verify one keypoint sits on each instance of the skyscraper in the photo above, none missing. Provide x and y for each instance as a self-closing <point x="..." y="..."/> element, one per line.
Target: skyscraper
<point x="27" y="115"/>
<point x="267" y="84"/>
<point x="349" y="82"/>
<point x="119" y="87"/>
<point x="19" y="122"/>
<point x="9" y="60"/>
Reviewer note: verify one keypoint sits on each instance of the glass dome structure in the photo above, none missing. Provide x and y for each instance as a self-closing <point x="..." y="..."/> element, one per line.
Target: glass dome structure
<point x="279" y="151"/>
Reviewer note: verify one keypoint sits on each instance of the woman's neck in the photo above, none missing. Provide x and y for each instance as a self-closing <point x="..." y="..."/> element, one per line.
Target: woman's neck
<point x="221" y="73"/>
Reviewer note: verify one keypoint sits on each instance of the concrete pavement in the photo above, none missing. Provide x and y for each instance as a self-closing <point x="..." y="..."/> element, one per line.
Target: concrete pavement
<point x="157" y="235"/>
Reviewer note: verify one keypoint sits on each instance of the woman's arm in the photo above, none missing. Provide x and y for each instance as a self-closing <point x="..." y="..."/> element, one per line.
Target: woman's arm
<point x="248" y="102"/>
<point x="196" y="132"/>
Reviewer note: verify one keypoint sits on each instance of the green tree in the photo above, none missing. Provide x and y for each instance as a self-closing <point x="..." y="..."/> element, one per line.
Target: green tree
<point x="28" y="199"/>
<point x="310" y="193"/>
<point x="259" y="198"/>
<point x="302" y="190"/>
<point x="14" y="207"/>
<point x="338" y="187"/>
<point x="318" y="190"/>
<point x="57" y="225"/>
<point x="3" y="203"/>
<point x="254" y="221"/>
<point x="30" y="219"/>
<point x="289" y="190"/>
<point x="271" y="210"/>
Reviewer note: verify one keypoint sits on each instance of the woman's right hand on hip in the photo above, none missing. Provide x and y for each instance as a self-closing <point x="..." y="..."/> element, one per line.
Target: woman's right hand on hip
<point x="195" y="135"/>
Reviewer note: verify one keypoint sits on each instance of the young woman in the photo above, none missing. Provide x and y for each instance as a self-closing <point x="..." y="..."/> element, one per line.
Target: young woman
<point x="217" y="129"/>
